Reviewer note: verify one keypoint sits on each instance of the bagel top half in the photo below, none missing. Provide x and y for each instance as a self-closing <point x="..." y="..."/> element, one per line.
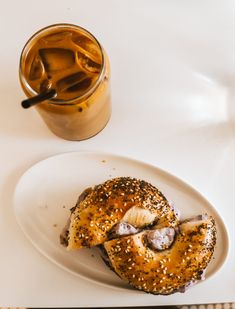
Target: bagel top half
<point x="122" y="199"/>
<point x="167" y="270"/>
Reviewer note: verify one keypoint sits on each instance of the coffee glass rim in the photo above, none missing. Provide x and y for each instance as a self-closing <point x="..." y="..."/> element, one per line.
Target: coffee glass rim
<point x="54" y="101"/>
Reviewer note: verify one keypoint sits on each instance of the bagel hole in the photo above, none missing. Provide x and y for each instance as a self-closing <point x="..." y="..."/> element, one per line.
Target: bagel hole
<point x="160" y="239"/>
<point x="122" y="229"/>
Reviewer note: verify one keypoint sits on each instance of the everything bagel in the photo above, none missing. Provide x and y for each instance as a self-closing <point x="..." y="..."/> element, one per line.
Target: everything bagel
<point x="134" y="203"/>
<point x="141" y="236"/>
<point x="166" y="271"/>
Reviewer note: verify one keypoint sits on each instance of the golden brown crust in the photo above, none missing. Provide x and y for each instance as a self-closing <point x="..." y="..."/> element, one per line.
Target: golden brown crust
<point x="168" y="271"/>
<point x="106" y="204"/>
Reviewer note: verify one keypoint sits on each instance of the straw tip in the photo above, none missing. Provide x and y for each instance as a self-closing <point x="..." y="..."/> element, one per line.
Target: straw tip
<point x="25" y="104"/>
<point x="51" y="93"/>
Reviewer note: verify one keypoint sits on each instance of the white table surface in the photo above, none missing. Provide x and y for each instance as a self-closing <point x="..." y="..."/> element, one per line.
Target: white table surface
<point x="173" y="86"/>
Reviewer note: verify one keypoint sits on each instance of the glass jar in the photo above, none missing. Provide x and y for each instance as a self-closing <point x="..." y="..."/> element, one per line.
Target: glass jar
<point x="70" y="60"/>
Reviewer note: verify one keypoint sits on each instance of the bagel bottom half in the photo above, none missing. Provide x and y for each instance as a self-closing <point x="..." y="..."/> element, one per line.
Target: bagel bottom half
<point x="167" y="271"/>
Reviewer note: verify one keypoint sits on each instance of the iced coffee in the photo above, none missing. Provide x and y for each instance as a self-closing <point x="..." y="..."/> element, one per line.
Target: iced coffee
<point x="71" y="61"/>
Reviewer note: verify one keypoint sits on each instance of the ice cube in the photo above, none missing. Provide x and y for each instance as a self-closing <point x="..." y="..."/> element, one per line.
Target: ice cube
<point x="56" y="37"/>
<point x="36" y="69"/>
<point x="56" y="59"/>
<point x="81" y="86"/>
<point x="69" y="81"/>
<point x="45" y="85"/>
<point x="88" y="64"/>
<point x="87" y="45"/>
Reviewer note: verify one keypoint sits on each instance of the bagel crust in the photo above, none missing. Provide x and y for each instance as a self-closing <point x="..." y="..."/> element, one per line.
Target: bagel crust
<point x="104" y="206"/>
<point x="169" y="271"/>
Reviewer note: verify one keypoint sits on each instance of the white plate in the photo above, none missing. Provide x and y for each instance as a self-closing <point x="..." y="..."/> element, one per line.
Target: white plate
<point x="47" y="191"/>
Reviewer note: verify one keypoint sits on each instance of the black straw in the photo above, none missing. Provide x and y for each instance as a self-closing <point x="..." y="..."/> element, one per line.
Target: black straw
<point x="38" y="98"/>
